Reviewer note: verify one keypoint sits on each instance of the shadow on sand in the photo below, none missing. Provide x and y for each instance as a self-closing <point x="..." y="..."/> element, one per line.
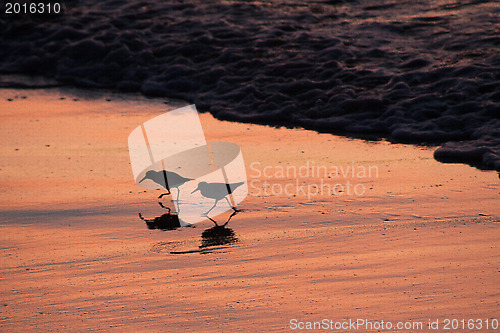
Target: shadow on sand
<point x="212" y="239"/>
<point x="218" y="235"/>
<point x="167" y="221"/>
<point x="215" y="236"/>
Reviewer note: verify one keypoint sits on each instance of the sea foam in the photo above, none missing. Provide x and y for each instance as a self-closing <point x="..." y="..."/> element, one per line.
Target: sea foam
<point x="423" y="72"/>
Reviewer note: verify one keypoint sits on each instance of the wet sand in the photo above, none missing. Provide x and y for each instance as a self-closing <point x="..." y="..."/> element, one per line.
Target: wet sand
<point x="420" y="243"/>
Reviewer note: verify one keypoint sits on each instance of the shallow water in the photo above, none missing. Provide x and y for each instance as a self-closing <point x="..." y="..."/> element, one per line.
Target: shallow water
<point x="410" y="71"/>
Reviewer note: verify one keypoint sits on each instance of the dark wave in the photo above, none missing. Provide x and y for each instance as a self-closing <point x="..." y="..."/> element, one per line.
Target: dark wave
<point x="424" y="72"/>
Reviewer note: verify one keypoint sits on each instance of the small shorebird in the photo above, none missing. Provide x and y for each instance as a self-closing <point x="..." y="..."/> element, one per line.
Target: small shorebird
<point x="166" y="179"/>
<point x="217" y="191"/>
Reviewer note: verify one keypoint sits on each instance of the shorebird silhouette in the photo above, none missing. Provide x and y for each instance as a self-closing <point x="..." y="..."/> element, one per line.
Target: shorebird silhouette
<point x="160" y="177"/>
<point x="217" y="191"/>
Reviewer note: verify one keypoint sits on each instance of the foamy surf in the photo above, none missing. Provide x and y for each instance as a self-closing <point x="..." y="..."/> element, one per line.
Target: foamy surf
<point x="423" y="73"/>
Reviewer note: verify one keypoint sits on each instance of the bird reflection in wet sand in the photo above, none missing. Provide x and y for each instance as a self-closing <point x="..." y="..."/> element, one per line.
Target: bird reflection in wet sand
<point x="167" y="221"/>
<point x="217" y="191"/>
<point x="218" y="235"/>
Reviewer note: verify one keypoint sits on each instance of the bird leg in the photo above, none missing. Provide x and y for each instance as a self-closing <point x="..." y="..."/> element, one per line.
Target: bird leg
<point x="212" y="207"/>
<point x="178" y="192"/>
<point x="229" y="219"/>
<point x="164" y="207"/>
<point x="176" y="200"/>
<point x="236" y="211"/>
<point x="211" y="219"/>
<point x="163" y="194"/>
<point x="230" y="205"/>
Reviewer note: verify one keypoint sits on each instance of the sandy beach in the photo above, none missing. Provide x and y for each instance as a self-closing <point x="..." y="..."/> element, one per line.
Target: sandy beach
<point x="402" y="238"/>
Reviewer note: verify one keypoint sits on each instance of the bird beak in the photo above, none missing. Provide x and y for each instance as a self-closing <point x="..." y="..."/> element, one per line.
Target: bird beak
<point x="196" y="189"/>
<point x="142" y="179"/>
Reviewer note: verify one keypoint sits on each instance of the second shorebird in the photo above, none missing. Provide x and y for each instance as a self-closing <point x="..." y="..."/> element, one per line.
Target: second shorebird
<point x="217" y="191"/>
